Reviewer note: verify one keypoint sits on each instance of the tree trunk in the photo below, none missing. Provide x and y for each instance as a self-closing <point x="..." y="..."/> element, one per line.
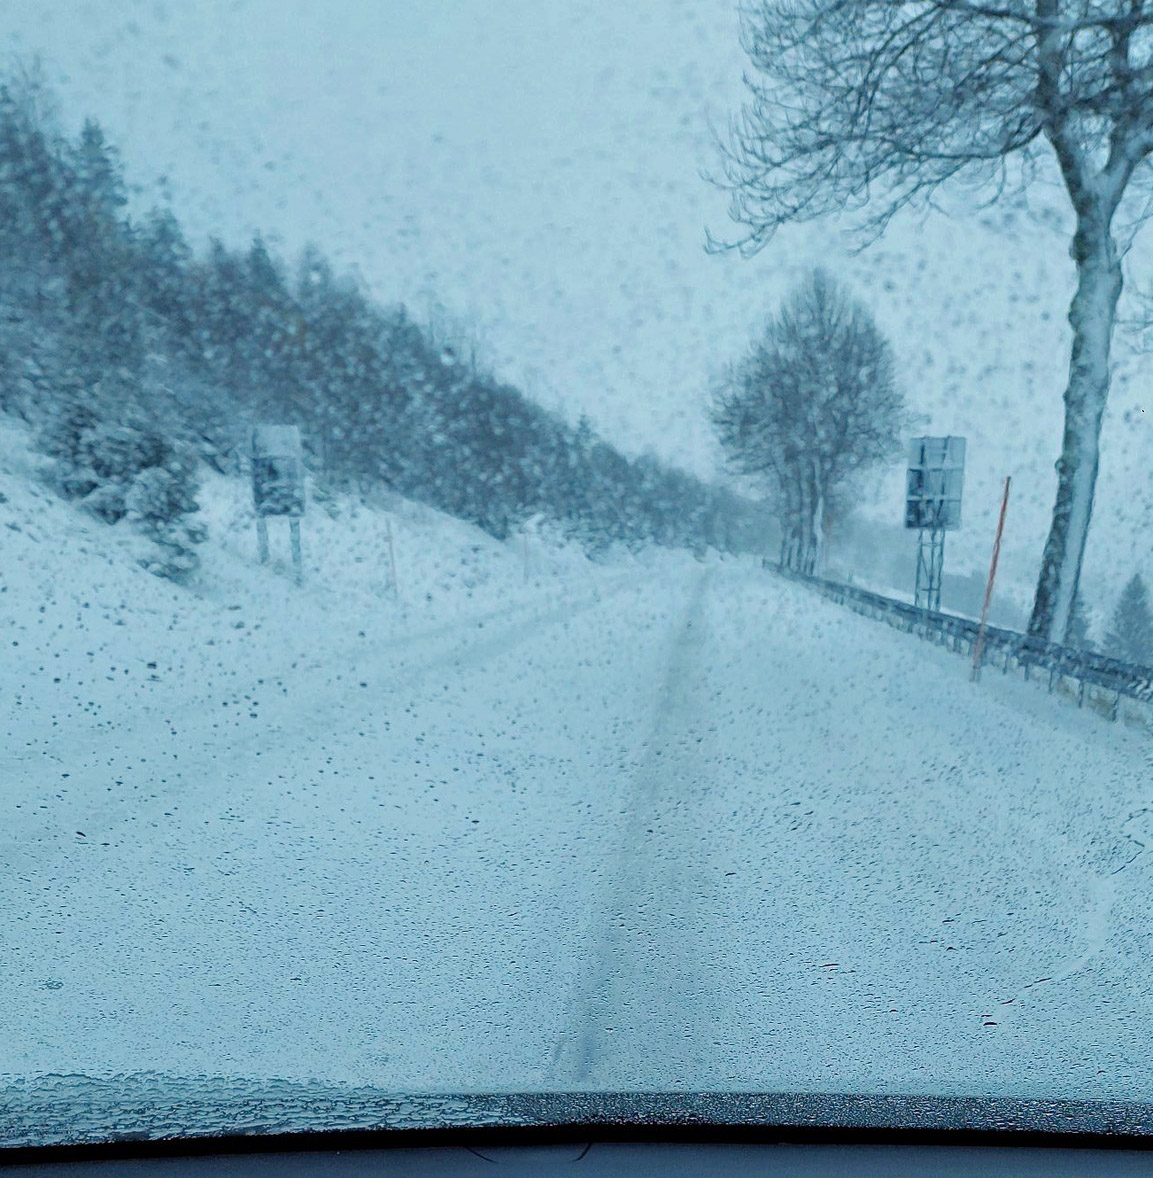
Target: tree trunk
<point x="817" y="519"/>
<point x="1091" y="316"/>
<point x="791" y="516"/>
<point x="800" y="521"/>
<point x="805" y="522"/>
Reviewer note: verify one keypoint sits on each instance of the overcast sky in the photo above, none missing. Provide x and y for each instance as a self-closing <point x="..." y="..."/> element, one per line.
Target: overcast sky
<point x="533" y="166"/>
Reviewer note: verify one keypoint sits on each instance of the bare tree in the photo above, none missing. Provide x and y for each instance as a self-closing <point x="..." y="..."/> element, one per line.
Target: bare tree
<point x="813" y="404"/>
<point x="873" y="105"/>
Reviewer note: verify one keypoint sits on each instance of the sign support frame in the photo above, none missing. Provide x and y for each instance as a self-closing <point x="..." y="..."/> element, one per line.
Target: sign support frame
<point x="930" y="568"/>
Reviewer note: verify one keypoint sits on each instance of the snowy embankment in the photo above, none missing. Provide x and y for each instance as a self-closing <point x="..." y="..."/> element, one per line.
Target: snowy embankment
<point x="676" y="827"/>
<point x="91" y="640"/>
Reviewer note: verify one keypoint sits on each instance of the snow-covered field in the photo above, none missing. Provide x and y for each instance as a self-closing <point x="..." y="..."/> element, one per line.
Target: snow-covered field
<point x="649" y="824"/>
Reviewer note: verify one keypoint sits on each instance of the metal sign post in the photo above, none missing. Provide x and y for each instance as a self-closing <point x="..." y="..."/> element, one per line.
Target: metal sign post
<point x="930" y="567"/>
<point x="278" y="485"/>
<point x="933" y="487"/>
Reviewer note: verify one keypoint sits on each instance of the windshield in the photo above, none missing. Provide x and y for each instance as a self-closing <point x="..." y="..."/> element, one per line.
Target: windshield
<point x="575" y="546"/>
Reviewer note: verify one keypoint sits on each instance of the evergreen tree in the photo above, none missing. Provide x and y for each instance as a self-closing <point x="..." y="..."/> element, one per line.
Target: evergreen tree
<point x="164" y="258"/>
<point x="97" y="174"/>
<point x="99" y="259"/>
<point x="1130" y="634"/>
<point x="1077" y="634"/>
<point x="19" y="142"/>
<point x="127" y="350"/>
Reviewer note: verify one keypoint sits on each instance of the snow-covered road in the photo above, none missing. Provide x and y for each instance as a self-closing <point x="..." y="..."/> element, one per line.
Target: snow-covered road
<point x="689" y="830"/>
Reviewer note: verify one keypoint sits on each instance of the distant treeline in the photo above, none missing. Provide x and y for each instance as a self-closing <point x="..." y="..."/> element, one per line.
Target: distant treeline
<point x="121" y="316"/>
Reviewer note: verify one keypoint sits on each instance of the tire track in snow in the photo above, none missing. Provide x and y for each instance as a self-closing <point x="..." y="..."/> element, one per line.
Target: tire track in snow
<point x="638" y="1013"/>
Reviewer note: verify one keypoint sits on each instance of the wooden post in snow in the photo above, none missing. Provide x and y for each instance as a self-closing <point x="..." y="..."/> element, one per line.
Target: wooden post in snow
<point x="297" y="556"/>
<point x="979" y="644"/>
<point x="391" y="560"/>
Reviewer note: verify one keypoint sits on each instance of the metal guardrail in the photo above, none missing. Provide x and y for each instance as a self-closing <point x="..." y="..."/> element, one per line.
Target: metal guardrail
<point x="1032" y="655"/>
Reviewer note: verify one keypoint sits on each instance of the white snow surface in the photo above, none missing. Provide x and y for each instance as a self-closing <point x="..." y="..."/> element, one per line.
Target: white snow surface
<point x="651" y="824"/>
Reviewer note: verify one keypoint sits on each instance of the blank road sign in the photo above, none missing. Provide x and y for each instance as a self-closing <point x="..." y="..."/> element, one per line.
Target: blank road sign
<point x="277" y="470"/>
<point x="935" y="479"/>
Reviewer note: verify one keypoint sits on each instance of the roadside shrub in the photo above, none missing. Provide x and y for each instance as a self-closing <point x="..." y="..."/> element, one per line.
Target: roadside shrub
<point x="160" y="495"/>
<point x="130" y="472"/>
<point x="119" y="452"/>
<point x="62" y="437"/>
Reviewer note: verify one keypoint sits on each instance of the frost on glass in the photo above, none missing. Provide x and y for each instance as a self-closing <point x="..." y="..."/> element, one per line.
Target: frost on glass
<point x="76" y="1109"/>
<point x="56" y="1110"/>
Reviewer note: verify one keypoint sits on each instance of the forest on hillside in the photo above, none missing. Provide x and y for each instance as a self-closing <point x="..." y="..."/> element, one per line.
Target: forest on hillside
<point x="129" y="351"/>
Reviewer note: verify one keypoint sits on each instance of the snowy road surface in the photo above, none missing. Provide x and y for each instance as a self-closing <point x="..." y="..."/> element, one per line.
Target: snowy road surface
<point x="690" y="829"/>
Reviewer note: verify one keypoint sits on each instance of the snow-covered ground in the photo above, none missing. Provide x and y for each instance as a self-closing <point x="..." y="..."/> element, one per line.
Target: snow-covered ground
<point x="652" y="824"/>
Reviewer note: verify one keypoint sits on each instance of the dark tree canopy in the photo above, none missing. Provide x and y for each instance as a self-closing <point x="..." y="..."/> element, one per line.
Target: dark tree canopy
<point x="108" y="323"/>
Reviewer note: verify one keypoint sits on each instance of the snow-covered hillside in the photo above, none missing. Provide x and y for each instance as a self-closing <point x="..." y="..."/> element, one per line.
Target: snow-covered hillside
<point x="440" y="562"/>
<point x="93" y="643"/>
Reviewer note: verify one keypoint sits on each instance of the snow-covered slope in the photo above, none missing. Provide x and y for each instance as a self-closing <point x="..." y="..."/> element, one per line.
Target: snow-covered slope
<point x="90" y="637"/>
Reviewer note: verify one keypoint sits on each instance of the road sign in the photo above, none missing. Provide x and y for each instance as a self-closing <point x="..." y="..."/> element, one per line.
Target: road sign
<point x="278" y="485"/>
<point x="934" y="482"/>
<point x="277" y="470"/>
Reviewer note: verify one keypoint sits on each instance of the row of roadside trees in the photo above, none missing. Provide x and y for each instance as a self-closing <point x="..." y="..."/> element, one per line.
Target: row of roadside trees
<point x="871" y="107"/>
<point x="814" y="404"/>
<point x="136" y="355"/>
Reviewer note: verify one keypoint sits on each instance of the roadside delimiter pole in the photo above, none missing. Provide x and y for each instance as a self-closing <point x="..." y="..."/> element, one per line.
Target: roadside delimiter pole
<point x="979" y="643"/>
<point x="391" y="560"/>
